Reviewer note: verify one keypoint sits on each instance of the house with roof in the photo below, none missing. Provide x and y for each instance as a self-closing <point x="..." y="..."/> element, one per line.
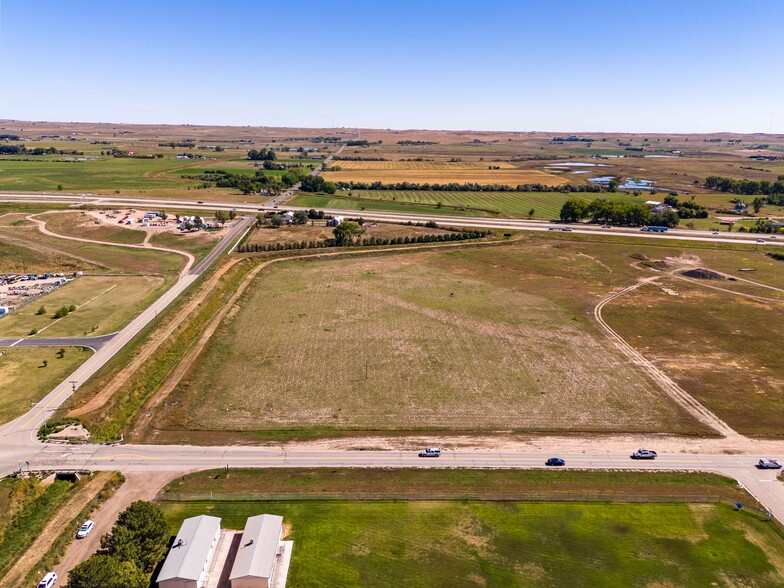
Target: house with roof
<point x="258" y="554"/>
<point x="189" y="556"/>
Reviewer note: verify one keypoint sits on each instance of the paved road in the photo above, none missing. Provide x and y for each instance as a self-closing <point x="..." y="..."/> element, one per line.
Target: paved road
<point x="94" y="343"/>
<point x="140" y="458"/>
<point x="732" y="457"/>
<point x="282" y="197"/>
<point x="454" y="221"/>
<point x="23" y="429"/>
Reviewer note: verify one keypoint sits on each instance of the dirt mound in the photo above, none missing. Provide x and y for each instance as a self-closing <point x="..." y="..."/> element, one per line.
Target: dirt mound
<point x="703" y="274"/>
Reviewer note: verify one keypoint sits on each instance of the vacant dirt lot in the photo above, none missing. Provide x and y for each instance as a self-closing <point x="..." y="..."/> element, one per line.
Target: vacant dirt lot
<point x="421" y="341"/>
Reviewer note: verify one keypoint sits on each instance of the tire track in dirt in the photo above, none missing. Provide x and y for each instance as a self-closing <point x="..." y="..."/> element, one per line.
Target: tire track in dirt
<point x="42" y="228"/>
<point x="667" y="385"/>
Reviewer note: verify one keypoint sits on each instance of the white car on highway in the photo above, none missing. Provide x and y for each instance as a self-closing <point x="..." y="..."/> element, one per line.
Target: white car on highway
<point x="769" y="464"/>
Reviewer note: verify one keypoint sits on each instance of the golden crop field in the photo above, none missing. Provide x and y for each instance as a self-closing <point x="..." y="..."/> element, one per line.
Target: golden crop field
<point x="440" y="173"/>
<point x="422" y="165"/>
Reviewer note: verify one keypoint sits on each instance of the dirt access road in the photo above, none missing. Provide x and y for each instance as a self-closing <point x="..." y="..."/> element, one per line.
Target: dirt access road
<point x="137" y="486"/>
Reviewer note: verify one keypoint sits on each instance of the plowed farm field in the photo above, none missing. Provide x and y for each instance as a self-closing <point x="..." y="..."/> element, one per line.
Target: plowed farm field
<point x="439" y="172"/>
<point x="465" y="341"/>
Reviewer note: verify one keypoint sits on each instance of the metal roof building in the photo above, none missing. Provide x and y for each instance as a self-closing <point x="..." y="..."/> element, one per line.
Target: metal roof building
<point x="190" y="554"/>
<point x="254" y="565"/>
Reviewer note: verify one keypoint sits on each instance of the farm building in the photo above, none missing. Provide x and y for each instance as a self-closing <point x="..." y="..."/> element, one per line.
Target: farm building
<point x="334" y="221"/>
<point x="190" y="554"/>
<point x="255" y="563"/>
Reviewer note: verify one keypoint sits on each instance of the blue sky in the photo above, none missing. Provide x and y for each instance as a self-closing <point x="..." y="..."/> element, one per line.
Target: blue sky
<point x="667" y="66"/>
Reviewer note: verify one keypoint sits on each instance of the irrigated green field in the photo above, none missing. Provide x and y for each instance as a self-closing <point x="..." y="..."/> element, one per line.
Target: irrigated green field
<point x="25" y="379"/>
<point x="466" y="340"/>
<point x="545" y="205"/>
<point x="104" y="305"/>
<point x="469" y="543"/>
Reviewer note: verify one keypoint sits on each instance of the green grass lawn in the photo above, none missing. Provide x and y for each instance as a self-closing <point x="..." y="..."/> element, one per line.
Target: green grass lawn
<point x="24" y="379"/>
<point x="546" y="205"/>
<point x="470" y="543"/>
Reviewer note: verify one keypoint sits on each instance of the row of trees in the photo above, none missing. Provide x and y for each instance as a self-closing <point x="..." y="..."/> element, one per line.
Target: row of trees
<point x="129" y="553"/>
<point x="251" y="184"/>
<point x="317" y="184"/>
<point x="22" y="150"/>
<point x="686" y="209"/>
<point x="262" y="155"/>
<point x="616" y="213"/>
<point x="746" y="187"/>
<point x="351" y="236"/>
<point x="471" y="187"/>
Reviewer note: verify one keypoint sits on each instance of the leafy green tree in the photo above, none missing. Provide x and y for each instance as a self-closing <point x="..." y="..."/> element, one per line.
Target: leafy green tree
<point x="140" y="535"/>
<point x="613" y="185"/>
<point x="300" y="217"/>
<point x="573" y="210"/>
<point x="220" y="217"/>
<point x="346" y="232"/>
<point x="41" y="310"/>
<point x="106" y="571"/>
<point x="276" y="220"/>
<point x="757" y="203"/>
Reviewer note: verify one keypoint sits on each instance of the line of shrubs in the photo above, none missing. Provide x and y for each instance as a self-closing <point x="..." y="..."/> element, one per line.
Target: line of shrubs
<point x="366" y="242"/>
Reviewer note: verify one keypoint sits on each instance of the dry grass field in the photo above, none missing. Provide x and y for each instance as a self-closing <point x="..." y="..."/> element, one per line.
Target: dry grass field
<point x="723" y="348"/>
<point x="104" y="305"/>
<point x="463" y="340"/>
<point x="24" y="379"/>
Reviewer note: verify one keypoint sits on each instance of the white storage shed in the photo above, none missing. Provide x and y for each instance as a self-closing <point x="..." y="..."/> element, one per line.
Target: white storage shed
<point x="254" y="566"/>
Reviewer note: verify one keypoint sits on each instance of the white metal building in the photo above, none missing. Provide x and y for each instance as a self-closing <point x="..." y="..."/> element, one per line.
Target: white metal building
<point x="189" y="557"/>
<point x="257" y="555"/>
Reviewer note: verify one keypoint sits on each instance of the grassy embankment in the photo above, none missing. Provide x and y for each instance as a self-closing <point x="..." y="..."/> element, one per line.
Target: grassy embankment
<point x="27" y="505"/>
<point x="24" y="379"/>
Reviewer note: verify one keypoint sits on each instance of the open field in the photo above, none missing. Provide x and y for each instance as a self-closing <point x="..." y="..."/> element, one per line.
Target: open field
<point x="24" y="379"/>
<point x="461" y="340"/>
<point x="84" y="226"/>
<point x="19" y="258"/>
<point x="726" y="351"/>
<point x="104" y="305"/>
<point x="345" y="203"/>
<point x="384" y="483"/>
<point x="470" y="543"/>
<point x="441" y="174"/>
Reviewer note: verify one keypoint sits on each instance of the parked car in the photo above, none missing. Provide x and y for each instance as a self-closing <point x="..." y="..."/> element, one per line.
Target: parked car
<point x="769" y="464"/>
<point x="430" y="452"/>
<point x="48" y="580"/>
<point x="555" y="461"/>
<point x="643" y="454"/>
<point x="85" y="529"/>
